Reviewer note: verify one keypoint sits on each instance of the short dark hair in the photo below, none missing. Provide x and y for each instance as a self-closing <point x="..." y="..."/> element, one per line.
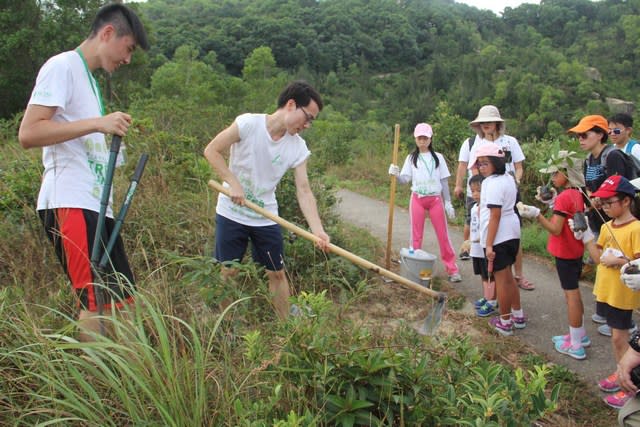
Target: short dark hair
<point x="499" y="164"/>
<point x="476" y="179"/>
<point x="302" y="93"/>
<point x="604" y="133"/>
<point x="622" y="118"/>
<point x="124" y="20"/>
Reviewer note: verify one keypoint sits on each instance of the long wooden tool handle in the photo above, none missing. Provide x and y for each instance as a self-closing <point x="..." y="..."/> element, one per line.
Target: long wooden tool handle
<point x="333" y="248"/>
<point x="392" y="196"/>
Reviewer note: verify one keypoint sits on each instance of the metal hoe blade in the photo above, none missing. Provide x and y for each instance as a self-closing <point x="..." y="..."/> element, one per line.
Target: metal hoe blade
<point x="434" y="318"/>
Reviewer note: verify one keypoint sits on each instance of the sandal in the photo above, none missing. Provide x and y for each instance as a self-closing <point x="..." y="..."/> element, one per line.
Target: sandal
<point x="524" y="283"/>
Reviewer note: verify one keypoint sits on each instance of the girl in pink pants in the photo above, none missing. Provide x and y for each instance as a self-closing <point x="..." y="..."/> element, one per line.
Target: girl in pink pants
<point x="428" y="173"/>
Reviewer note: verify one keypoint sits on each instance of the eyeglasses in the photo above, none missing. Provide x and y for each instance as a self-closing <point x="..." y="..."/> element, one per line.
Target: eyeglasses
<point x="608" y="203"/>
<point x="308" y="116"/>
<point x="615" y="131"/>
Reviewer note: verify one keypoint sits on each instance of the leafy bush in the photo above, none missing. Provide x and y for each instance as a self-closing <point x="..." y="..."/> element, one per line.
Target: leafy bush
<point x="350" y="379"/>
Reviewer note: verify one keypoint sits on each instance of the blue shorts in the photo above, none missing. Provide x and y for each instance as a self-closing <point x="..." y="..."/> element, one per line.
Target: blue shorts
<point x="232" y="239"/>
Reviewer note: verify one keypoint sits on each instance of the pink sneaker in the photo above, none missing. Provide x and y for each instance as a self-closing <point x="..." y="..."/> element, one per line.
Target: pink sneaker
<point x="618" y="399"/>
<point x="502" y="329"/>
<point x="609" y="384"/>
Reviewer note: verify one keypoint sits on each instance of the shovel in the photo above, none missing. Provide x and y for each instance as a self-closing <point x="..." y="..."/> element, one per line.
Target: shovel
<point x="434" y="317"/>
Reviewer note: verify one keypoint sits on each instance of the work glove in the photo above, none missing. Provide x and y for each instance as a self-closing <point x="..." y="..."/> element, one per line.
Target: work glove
<point x="527" y="211"/>
<point x="586" y="236"/>
<point x="448" y="208"/>
<point x="466" y="246"/>
<point x="630" y="274"/>
<point x="548" y="202"/>
<point x="394" y="170"/>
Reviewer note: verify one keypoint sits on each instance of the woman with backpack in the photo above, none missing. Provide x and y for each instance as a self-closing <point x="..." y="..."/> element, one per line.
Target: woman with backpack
<point x="489" y="127"/>
<point x="603" y="161"/>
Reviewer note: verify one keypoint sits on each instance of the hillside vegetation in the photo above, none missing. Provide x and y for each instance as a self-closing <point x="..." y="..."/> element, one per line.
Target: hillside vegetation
<point x="187" y="361"/>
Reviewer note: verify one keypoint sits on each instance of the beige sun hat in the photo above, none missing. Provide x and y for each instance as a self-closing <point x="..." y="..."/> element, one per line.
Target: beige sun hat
<point x="568" y="163"/>
<point x="487" y="114"/>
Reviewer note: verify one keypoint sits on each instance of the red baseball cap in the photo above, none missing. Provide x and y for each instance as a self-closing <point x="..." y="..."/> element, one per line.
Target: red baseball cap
<point x="613" y="185"/>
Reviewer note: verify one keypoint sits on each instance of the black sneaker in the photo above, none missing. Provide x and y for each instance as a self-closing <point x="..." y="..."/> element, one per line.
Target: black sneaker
<point x="464" y="255"/>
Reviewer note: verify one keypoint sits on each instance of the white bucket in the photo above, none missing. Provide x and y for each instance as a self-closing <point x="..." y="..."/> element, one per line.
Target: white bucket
<point x="417" y="266"/>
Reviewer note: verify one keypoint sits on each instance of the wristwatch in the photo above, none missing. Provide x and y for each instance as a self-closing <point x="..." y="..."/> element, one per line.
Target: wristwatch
<point x="634" y="341"/>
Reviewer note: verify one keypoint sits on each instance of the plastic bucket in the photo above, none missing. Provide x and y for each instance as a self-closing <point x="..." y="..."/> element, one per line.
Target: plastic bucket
<point x="417" y="266"/>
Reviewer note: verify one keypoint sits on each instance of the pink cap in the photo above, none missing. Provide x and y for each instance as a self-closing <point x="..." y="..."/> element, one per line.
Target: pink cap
<point x="488" y="149"/>
<point x="423" y="129"/>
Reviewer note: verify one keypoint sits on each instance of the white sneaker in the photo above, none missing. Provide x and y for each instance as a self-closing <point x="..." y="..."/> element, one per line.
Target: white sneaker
<point x="455" y="278"/>
<point x="606" y="330"/>
<point x="598" y="319"/>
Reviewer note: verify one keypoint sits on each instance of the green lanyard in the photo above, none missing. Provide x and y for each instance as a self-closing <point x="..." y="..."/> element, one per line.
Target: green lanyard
<point x="92" y="81"/>
<point x="433" y="164"/>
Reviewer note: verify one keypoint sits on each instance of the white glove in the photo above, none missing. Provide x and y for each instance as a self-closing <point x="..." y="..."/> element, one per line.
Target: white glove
<point x="586" y="236"/>
<point x="632" y="280"/>
<point x="527" y="211"/>
<point x="394" y="170"/>
<point x="549" y="202"/>
<point x="613" y="252"/>
<point x="448" y="208"/>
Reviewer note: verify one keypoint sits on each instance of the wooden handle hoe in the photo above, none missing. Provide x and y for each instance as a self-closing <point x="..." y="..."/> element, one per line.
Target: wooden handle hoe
<point x="433" y="319"/>
<point x="333" y="248"/>
<point x="392" y="196"/>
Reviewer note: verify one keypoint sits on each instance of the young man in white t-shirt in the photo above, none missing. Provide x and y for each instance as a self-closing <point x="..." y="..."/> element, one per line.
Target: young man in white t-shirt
<point x="620" y="128"/>
<point x="65" y="116"/>
<point x="262" y="148"/>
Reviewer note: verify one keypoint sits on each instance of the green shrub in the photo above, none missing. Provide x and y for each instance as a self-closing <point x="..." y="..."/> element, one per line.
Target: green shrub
<point x="351" y="379"/>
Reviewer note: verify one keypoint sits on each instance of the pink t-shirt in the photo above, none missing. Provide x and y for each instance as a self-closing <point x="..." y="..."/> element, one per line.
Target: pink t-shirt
<point x="565" y="245"/>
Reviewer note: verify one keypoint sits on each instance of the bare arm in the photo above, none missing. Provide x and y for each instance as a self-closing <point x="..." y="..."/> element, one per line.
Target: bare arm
<point x="492" y="230"/>
<point x="552" y="225"/>
<point x="213" y="153"/>
<point x="37" y="129"/>
<point x="308" y="205"/>
<point x="594" y="251"/>
<point x="630" y="360"/>
<point x="460" y="174"/>
<point x="519" y="171"/>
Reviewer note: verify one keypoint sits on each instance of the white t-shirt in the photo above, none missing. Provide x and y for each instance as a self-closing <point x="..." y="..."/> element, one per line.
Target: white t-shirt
<point x="474" y="233"/>
<point x="426" y="177"/>
<point x="499" y="190"/>
<point x="634" y="150"/>
<point x="506" y="142"/>
<point x="74" y="171"/>
<point x="259" y="163"/>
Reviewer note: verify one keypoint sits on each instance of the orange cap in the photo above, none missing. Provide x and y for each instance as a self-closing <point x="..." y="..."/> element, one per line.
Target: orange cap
<point x="589" y="122"/>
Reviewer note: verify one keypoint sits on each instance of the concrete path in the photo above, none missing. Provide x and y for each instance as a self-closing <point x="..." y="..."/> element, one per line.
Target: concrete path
<point x="545" y="306"/>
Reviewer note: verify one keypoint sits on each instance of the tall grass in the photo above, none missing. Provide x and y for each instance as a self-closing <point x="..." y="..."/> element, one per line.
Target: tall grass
<point x="181" y="360"/>
<point x="156" y="369"/>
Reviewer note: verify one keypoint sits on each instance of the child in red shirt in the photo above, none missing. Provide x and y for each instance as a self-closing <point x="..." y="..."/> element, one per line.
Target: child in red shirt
<point x="566" y="249"/>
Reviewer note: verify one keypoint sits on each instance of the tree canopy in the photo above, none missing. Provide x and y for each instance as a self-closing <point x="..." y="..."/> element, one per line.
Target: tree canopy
<point x="543" y="65"/>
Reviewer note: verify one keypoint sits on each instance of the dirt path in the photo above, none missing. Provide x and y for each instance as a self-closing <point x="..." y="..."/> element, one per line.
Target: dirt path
<point x="544" y="307"/>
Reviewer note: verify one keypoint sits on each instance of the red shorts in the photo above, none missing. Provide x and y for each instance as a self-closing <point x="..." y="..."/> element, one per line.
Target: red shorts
<point x="72" y="231"/>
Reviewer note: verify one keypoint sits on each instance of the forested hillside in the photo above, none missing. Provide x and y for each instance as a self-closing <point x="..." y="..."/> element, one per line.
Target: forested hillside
<point x="190" y="358"/>
<point x="544" y="65"/>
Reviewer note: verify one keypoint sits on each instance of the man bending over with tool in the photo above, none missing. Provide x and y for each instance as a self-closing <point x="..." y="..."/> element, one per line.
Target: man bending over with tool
<point x="66" y="117"/>
<point x="262" y="148"/>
